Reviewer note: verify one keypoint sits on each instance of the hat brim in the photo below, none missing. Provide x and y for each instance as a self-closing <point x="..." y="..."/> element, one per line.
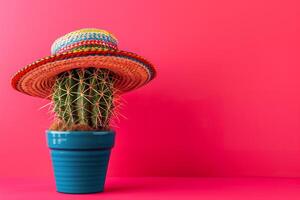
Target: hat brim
<point x="131" y="71"/>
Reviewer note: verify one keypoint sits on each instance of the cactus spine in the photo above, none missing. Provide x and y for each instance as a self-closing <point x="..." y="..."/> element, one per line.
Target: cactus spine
<point x="84" y="98"/>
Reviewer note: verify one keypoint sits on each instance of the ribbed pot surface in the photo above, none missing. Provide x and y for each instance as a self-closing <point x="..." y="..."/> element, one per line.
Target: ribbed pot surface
<point x="80" y="159"/>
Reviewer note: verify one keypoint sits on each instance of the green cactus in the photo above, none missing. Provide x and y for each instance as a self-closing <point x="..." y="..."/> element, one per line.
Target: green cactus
<point x="84" y="98"/>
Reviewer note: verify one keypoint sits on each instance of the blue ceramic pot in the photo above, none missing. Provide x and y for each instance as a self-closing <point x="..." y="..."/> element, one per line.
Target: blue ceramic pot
<point x="80" y="159"/>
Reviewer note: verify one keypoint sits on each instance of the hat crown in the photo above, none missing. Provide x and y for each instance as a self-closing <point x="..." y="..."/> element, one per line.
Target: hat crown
<point x="84" y="38"/>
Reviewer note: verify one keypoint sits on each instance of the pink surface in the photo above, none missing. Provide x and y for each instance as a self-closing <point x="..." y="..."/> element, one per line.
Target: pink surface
<point x="226" y="101"/>
<point x="162" y="188"/>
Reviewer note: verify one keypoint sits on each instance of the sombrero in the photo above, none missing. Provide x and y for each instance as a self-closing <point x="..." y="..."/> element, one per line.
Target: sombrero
<point x="84" y="48"/>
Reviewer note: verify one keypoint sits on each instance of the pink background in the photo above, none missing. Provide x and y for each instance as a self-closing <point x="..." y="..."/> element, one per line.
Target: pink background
<point x="226" y="101"/>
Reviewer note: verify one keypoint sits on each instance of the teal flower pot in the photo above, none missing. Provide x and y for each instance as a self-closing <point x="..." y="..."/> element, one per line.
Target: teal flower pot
<point x="80" y="159"/>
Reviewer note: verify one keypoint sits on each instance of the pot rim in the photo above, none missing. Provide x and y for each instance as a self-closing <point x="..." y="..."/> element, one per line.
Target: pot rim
<point x="76" y="140"/>
<point x="78" y="132"/>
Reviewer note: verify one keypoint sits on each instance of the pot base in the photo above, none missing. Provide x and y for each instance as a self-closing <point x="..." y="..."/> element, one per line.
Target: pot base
<point x="80" y="171"/>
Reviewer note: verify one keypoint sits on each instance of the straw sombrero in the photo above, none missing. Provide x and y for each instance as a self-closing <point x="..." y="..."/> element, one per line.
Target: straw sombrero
<point x="84" y="48"/>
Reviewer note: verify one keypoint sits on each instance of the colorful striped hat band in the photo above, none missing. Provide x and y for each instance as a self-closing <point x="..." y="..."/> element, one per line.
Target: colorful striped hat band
<point x="82" y="39"/>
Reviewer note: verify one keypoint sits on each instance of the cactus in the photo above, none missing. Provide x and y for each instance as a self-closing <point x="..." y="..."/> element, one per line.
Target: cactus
<point x="83" y="99"/>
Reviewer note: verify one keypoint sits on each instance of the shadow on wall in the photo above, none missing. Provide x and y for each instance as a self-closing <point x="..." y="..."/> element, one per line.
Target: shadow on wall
<point x="164" y="136"/>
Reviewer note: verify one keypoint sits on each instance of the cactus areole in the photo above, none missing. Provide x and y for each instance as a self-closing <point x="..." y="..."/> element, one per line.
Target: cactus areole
<point x="83" y="77"/>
